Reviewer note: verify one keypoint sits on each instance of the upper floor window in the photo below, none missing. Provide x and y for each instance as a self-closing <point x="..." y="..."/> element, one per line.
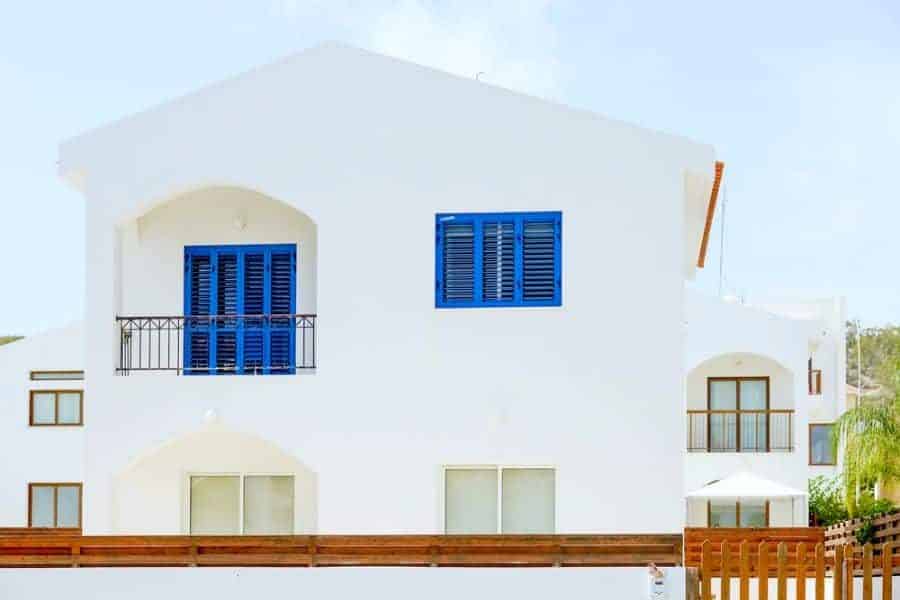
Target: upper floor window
<point x="55" y="407"/>
<point x="57" y="375"/>
<point x="498" y="259"/>
<point x="239" y="305"/>
<point x="499" y="500"/>
<point x="235" y="504"/>
<point x="814" y="380"/>
<point x="820" y="449"/>
<point x="54" y="505"/>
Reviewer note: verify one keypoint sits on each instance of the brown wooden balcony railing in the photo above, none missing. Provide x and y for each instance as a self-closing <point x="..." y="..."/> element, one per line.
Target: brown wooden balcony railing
<point x="740" y="430"/>
<point x="72" y="550"/>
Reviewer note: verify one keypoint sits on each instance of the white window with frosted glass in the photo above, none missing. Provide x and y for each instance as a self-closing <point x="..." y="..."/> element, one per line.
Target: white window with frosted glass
<point x="241" y="504"/>
<point x="745" y="513"/>
<point x="499" y="499"/>
<point x="56" y="505"/>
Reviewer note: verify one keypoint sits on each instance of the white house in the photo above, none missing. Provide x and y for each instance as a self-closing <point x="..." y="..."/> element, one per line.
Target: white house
<point x="347" y="294"/>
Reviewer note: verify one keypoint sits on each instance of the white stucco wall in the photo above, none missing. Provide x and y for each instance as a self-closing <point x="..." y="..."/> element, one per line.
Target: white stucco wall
<point x="345" y="582"/>
<point x="370" y="149"/>
<point x="37" y="454"/>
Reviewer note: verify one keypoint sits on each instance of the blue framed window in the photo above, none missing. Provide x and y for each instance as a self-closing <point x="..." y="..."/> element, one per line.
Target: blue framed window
<point x="239" y="305"/>
<point x="498" y="259"/>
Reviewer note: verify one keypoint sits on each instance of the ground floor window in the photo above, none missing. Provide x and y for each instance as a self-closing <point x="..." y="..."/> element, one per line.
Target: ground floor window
<point x="236" y="504"/>
<point x="54" y="505"/>
<point x="746" y="513"/>
<point x="497" y="499"/>
<point x="820" y="449"/>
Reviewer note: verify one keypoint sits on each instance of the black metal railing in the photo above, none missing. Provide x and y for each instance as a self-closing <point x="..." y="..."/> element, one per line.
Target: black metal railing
<point x="740" y="430"/>
<point x="217" y="344"/>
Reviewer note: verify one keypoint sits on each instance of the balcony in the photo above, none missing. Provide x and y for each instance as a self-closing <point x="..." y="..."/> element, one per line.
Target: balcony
<point x="740" y="430"/>
<point x="265" y="344"/>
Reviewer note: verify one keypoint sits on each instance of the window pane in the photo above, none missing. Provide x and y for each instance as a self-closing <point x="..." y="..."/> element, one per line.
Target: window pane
<point x="723" y="514"/>
<point x="43" y="411"/>
<point x="41" y="506"/>
<point x="69" y="408"/>
<point x="820" y="443"/>
<point x="722" y="395"/>
<point x="67" y="506"/>
<point x="268" y="504"/>
<point x="753" y="395"/>
<point x="215" y="505"/>
<point x="470" y="501"/>
<point x="57" y="375"/>
<point x="529" y="501"/>
<point x="753" y="514"/>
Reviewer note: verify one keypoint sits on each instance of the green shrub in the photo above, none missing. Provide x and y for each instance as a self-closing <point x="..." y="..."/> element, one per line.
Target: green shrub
<point x="826" y="501"/>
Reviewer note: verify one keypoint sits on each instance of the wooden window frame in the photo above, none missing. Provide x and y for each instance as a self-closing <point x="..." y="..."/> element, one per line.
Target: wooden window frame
<point x="737" y="381"/>
<point x="56" y="422"/>
<point x="809" y="443"/>
<point x="73" y="375"/>
<point x="499" y="469"/>
<point x="56" y="486"/>
<point x="737" y="517"/>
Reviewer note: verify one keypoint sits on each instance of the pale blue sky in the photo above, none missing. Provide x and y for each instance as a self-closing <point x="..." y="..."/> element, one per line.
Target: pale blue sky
<point x="800" y="99"/>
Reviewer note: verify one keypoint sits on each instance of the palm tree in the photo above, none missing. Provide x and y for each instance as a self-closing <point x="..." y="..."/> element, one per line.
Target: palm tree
<point x="868" y="437"/>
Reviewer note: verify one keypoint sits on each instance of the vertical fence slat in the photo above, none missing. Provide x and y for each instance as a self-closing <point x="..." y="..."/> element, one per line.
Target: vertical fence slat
<point x="850" y="561"/>
<point x="706" y="570"/>
<point x="820" y="571"/>
<point x="725" y="586"/>
<point x="745" y="570"/>
<point x="887" y="571"/>
<point x="867" y="572"/>
<point x="837" y="574"/>
<point x="762" y="572"/>
<point x="782" y="571"/>
<point x="800" y="572"/>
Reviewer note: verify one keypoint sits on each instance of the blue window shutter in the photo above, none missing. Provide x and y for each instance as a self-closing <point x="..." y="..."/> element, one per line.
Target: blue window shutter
<point x="281" y="298"/>
<point x="498" y="259"/>
<point x="254" y="304"/>
<point x="538" y="261"/>
<point x="226" y="334"/>
<point x="253" y="282"/>
<point x="457" y="246"/>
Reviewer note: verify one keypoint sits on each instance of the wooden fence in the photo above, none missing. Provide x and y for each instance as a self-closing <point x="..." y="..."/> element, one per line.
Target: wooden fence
<point x="843" y="565"/>
<point x="48" y="549"/>
<point x="791" y="536"/>
<point x="886" y="529"/>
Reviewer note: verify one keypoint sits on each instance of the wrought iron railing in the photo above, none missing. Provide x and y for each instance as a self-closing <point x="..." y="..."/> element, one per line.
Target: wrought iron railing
<point x="245" y="344"/>
<point x="740" y="430"/>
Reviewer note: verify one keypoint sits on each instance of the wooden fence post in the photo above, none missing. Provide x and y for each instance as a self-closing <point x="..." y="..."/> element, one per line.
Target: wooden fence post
<point x="850" y="561"/>
<point x="782" y="571"/>
<point x="820" y="571"/>
<point x="837" y="573"/>
<point x="867" y="572"/>
<point x="887" y="570"/>
<point x="762" y="572"/>
<point x="800" y="573"/>
<point x="706" y="570"/>
<point x="725" y="580"/>
<point x="745" y="570"/>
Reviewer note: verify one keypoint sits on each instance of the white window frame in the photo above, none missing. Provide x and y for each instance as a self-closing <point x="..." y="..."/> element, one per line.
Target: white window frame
<point x="241" y="477"/>
<point x="499" y="469"/>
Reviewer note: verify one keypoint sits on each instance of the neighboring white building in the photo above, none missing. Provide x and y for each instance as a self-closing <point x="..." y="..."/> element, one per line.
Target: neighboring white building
<point x="763" y="387"/>
<point x="482" y="318"/>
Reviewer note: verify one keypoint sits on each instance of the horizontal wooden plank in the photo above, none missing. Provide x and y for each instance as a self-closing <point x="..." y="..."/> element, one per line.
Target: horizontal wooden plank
<point x="71" y="549"/>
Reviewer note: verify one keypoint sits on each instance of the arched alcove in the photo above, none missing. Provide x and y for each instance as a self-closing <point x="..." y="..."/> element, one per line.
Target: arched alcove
<point x="152" y="493"/>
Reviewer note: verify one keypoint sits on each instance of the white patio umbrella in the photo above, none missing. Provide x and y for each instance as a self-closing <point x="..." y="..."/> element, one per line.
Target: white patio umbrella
<point x="745" y="485"/>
